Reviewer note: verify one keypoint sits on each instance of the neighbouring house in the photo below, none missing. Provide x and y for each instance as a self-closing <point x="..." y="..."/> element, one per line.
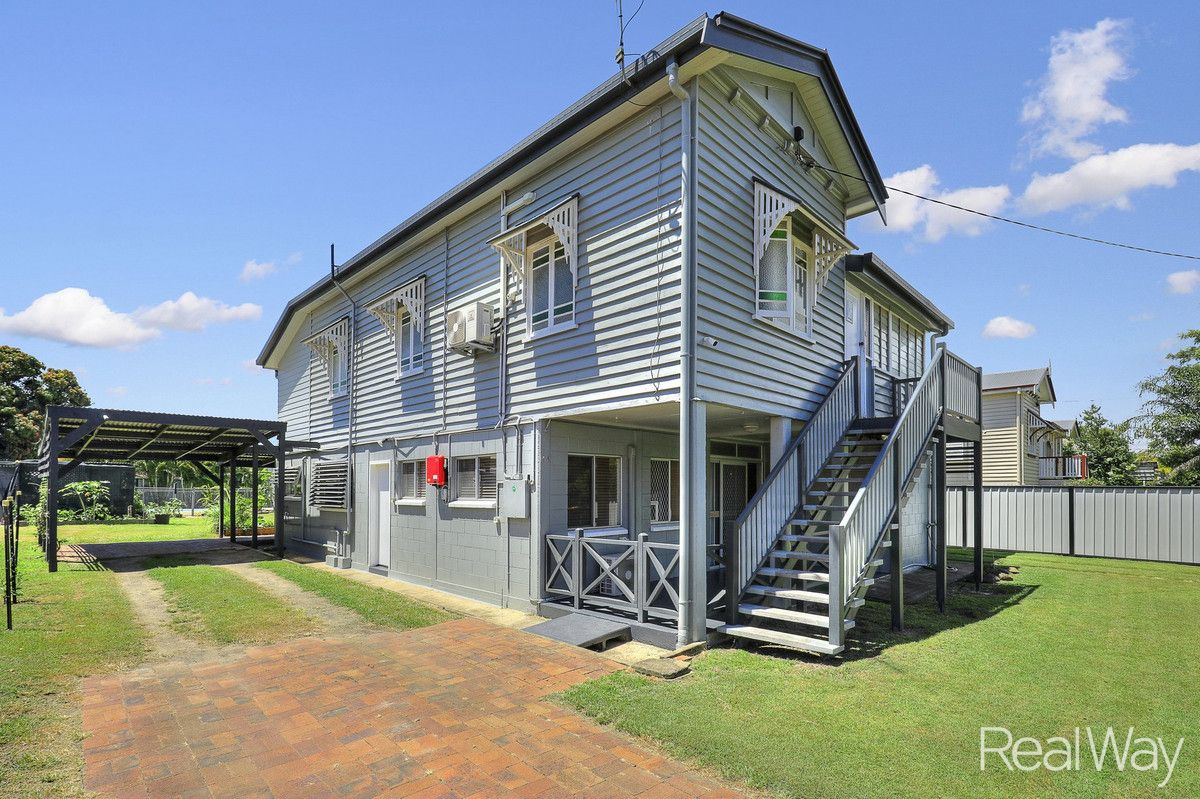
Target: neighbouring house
<point x="1021" y="446"/>
<point x="633" y="368"/>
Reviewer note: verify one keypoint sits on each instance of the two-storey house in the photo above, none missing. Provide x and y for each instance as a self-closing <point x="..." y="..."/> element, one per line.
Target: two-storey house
<point x="661" y="384"/>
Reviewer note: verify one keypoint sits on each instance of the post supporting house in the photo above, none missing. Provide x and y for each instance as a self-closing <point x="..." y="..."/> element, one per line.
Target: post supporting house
<point x="72" y="435"/>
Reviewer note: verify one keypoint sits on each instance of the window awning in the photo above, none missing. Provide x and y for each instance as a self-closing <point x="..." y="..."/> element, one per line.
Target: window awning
<point x="771" y="206"/>
<point x="390" y="308"/>
<point x="329" y="342"/>
<point x="563" y="219"/>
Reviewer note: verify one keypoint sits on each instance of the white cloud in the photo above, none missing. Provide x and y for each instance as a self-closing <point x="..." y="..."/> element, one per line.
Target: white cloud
<point x="935" y="222"/>
<point x="1183" y="282"/>
<point x="191" y="312"/>
<point x="74" y="316"/>
<point x="117" y="391"/>
<point x="1106" y="180"/>
<point x="1071" y="101"/>
<point x="256" y="270"/>
<point x="1024" y="289"/>
<point x="1007" y="327"/>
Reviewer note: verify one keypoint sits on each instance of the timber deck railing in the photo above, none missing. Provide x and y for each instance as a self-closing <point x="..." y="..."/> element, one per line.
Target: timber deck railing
<point x="631" y="574"/>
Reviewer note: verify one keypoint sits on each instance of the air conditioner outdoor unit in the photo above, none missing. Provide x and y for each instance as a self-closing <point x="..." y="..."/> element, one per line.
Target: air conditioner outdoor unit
<point x="469" y="329"/>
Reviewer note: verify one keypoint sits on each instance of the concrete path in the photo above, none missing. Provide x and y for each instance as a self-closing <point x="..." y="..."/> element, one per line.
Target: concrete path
<point x="454" y="710"/>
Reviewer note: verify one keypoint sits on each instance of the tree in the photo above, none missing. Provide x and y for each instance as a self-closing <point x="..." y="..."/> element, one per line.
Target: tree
<point x="1110" y="457"/>
<point x="26" y="388"/>
<point x="1171" y="412"/>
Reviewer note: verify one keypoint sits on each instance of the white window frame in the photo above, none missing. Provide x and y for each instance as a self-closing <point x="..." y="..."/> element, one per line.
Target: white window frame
<point x="553" y="324"/>
<point x="895" y="328"/>
<point x="799" y="297"/>
<point x="476" y="501"/>
<point x="620" y="488"/>
<point x="420" y="490"/>
<point x="671" y="463"/>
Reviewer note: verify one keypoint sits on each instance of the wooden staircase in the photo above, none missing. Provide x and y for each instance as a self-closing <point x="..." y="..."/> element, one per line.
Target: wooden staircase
<point x="787" y="602"/>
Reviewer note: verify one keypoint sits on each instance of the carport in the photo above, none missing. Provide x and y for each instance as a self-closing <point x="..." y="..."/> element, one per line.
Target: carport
<point x="72" y="434"/>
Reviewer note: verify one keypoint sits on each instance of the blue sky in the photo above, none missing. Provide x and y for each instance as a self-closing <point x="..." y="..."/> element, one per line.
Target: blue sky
<point x="152" y="150"/>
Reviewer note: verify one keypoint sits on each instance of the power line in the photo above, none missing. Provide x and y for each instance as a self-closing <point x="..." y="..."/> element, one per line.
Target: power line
<point x="809" y="163"/>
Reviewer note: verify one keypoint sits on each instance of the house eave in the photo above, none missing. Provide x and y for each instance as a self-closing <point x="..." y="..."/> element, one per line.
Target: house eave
<point x="871" y="265"/>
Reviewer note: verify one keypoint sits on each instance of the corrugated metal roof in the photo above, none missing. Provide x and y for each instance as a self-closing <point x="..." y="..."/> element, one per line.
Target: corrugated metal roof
<point x="1021" y="378"/>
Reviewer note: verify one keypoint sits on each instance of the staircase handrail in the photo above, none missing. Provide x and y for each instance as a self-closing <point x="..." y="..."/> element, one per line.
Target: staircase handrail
<point x="858" y="536"/>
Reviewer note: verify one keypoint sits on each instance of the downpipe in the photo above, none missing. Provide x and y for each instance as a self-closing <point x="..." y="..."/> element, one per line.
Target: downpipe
<point x="689" y="479"/>
<point x="350" y="365"/>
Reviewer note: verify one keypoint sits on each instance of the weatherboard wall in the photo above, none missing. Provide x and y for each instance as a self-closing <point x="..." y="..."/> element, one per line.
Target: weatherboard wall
<point x="755" y="364"/>
<point x="624" y="348"/>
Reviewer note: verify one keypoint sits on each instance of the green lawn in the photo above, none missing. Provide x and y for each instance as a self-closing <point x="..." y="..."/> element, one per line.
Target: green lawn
<point x="376" y="605"/>
<point x="1069" y="643"/>
<point x="67" y="625"/>
<point x="215" y="605"/>
<point x="181" y="528"/>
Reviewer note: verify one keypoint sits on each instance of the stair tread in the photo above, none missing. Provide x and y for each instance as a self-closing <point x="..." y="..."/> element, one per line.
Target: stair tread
<point x="804" y="521"/>
<point x="795" y="594"/>
<point x="832" y="493"/>
<point x="817" y="557"/>
<point x="791" y="616"/>
<point x="804" y="539"/>
<point x="802" y="642"/>
<point x="795" y="574"/>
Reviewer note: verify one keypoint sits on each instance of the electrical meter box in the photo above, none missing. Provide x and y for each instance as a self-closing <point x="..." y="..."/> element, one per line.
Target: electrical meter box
<point x="514" y="498"/>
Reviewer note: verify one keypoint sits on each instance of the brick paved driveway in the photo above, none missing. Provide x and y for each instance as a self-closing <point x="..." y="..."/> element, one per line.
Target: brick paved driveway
<point x="453" y="710"/>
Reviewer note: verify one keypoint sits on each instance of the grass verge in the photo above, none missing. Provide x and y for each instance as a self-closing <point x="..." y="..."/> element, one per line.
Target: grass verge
<point x="376" y="605"/>
<point x="67" y="625"/>
<point x="215" y="605"/>
<point x="1069" y="643"/>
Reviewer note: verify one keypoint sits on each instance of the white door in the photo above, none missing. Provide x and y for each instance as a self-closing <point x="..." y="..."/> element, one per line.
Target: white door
<point x="381" y="514"/>
<point x="858" y="332"/>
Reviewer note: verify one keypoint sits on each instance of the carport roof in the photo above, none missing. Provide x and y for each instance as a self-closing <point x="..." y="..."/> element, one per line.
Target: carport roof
<point x="97" y="434"/>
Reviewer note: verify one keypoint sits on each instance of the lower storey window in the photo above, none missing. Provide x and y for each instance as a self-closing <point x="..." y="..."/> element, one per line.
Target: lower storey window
<point x="412" y="479"/>
<point x="593" y="491"/>
<point x="664" y="490"/>
<point x="475" y="478"/>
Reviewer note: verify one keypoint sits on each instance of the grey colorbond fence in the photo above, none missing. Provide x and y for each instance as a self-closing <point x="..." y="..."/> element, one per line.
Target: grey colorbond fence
<point x="1160" y="524"/>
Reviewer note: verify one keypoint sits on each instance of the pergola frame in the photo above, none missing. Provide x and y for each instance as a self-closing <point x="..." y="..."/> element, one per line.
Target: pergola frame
<point x="73" y="434"/>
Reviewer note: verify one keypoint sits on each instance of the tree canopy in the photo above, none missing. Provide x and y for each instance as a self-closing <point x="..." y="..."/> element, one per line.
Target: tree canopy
<point x="1171" y="418"/>
<point x="1110" y="457"/>
<point x="27" y="386"/>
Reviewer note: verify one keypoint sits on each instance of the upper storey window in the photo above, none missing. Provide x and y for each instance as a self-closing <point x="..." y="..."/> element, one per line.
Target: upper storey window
<point x="542" y="255"/>
<point x="794" y="255"/>
<point x="402" y="313"/>
<point x="332" y="348"/>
